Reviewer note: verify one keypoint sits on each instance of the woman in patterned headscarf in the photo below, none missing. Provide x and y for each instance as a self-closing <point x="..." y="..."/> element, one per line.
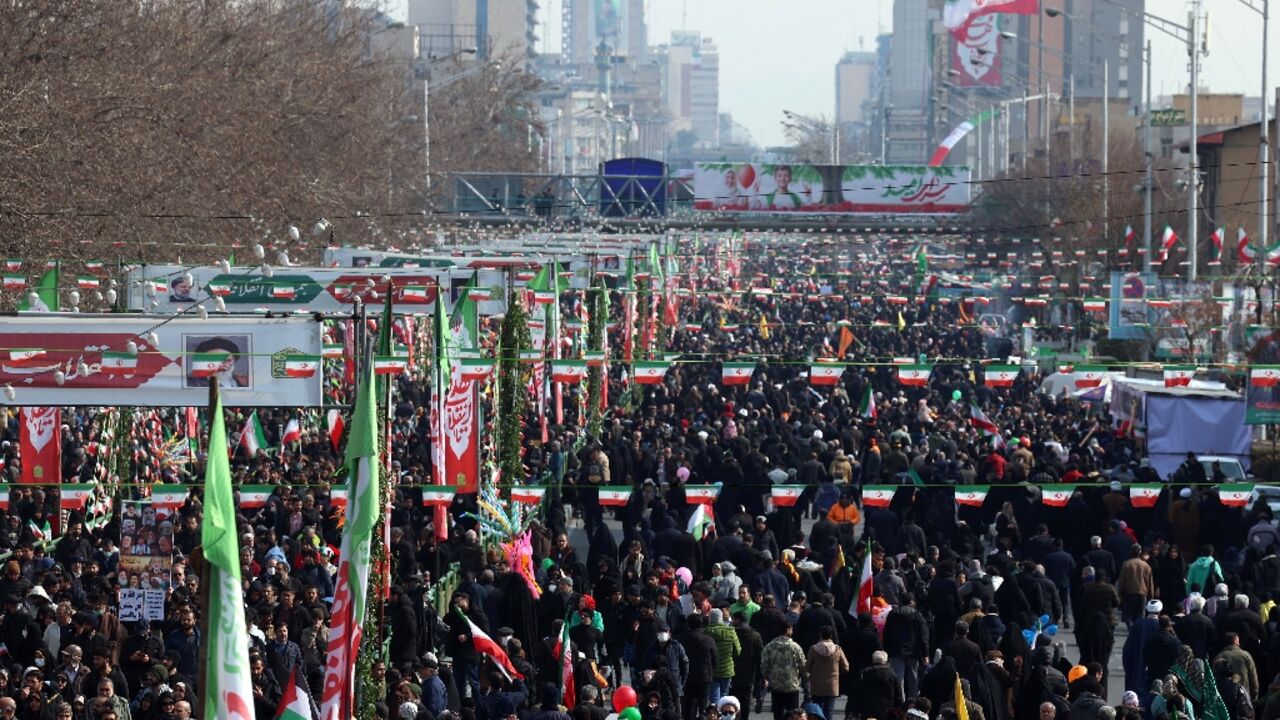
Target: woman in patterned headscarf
<point x="1200" y="686"/>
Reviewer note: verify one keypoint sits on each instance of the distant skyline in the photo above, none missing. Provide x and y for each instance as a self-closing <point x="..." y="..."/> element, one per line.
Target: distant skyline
<point x="777" y="55"/>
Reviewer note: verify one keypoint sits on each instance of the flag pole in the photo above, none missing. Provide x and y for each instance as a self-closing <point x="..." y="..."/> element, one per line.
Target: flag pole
<point x="202" y="600"/>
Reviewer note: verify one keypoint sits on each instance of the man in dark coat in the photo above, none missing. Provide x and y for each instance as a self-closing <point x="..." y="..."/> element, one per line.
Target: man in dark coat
<point x="879" y="689"/>
<point x="747" y="665"/>
<point x="702" y="653"/>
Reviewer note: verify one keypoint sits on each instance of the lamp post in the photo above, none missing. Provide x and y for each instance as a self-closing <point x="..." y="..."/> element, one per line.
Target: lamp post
<point x="426" y="103"/>
<point x="1264" y="138"/>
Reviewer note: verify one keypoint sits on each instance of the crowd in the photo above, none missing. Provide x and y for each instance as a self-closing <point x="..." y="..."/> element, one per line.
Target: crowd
<point x="760" y="616"/>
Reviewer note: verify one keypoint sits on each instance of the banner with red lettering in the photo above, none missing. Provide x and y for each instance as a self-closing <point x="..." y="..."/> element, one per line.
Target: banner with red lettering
<point x="41" y="448"/>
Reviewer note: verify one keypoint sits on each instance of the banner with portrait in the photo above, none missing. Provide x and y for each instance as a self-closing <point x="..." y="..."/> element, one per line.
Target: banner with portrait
<point x="865" y="189"/>
<point x="146" y="545"/>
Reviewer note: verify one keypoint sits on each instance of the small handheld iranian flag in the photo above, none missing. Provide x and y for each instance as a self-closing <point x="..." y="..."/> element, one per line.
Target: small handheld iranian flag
<point x="1144" y="495"/>
<point x="1217" y="237"/>
<point x="528" y="494"/>
<point x="878" y="495"/>
<point x="88" y="282"/>
<point x="292" y="432"/>
<point x="40" y="532"/>
<point x="825" y="374"/>
<point x="1167" y="240"/>
<point x="651" y="372"/>
<point x="736" y="373"/>
<point x="914" y="375"/>
<point x="867" y="409"/>
<point x="252" y="437"/>
<point x="1000" y="375"/>
<point x="1129" y="235"/>
<point x="615" y="497"/>
<point x="390" y="364"/>
<point x="1235" y="494"/>
<point x="785" y="495"/>
<point x="972" y="495"/>
<point x="1056" y="495"/>
<point x="701" y="494"/>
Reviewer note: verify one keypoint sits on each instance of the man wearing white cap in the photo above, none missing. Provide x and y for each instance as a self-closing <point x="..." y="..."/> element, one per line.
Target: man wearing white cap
<point x="727" y="706"/>
<point x="1134" y="653"/>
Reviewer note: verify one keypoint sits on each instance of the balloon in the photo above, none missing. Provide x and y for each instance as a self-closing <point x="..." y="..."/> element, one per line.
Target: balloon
<point x="624" y="697"/>
<point x="1044" y="620"/>
<point x="746" y="176"/>
<point x="956" y="395"/>
<point x="685" y="575"/>
<point x="1029" y="636"/>
<point x="631" y="713"/>
<point x="1051" y="630"/>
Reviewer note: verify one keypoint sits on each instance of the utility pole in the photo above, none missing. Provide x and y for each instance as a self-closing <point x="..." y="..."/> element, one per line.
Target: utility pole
<point x="1149" y="181"/>
<point x="1106" y="146"/>
<point x="1193" y="187"/>
<point x="1264" y="151"/>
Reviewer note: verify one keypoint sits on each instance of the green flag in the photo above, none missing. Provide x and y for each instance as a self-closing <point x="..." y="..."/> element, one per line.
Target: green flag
<point x="227" y="689"/>
<point x="46" y="294"/>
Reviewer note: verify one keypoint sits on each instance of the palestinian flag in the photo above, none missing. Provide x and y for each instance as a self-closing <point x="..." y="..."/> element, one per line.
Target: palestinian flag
<point x="701" y="494"/>
<point x="615" y="497"/>
<point x="1095" y="305"/>
<point x="118" y="363"/>
<point x="701" y="522"/>
<point x="437" y="495"/>
<point x="1056" y="495"/>
<point x="206" y="365"/>
<point x="1264" y="376"/>
<point x="867" y="408"/>
<point x="878" y="495"/>
<point x="785" y="495"/>
<point x="301" y="366"/>
<point x="390" y="364"/>
<point x="1144" y="495"/>
<point x="568" y="371"/>
<point x="1178" y="375"/>
<point x="651" y="372"/>
<point x="15" y="282"/>
<point x="528" y="494"/>
<point x="736" y="373"/>
<point x="914" y="375"/>
<point x="255" y="496"/>
<point x="294" y="703"/>
<point x="1235" y="494"/>
<point x="88" y="282"/>
<point x="252" y="437"/>
<point x="825" y="374"/>
<point x="485" y="645"/>
<point x="75" y="495"/>
<point x="1089" y="376"/>
<point x="170" y="497"/>
<point x="475" y="368"/>
<point x="972" y="495"/>
<point x="1000" y="375"/>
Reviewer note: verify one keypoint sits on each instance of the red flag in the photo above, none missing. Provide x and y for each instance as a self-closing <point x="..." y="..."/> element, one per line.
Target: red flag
<point x="485" y="645"/>
<point x="866" y="584"/>
<point x="336" y="426"/>
<point x="41" y="445"/>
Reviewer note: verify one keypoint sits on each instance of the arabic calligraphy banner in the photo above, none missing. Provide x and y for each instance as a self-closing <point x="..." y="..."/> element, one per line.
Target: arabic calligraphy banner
<point x="869" y="189"/>
<point x="248" y="355"/>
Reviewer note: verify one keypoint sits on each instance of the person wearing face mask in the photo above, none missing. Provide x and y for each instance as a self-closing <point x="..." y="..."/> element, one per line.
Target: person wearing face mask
<point x="727" y="706"/>
<point x="672" y="654"/>
<point x="657" y="688"/>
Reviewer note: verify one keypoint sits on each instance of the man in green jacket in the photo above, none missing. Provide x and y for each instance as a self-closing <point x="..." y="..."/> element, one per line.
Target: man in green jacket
<point x="727" y="650"/>
<point x="782" y="664"/>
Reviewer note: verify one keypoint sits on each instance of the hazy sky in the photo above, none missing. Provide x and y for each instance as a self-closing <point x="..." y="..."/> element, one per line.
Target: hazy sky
<point x="781" y="54"/>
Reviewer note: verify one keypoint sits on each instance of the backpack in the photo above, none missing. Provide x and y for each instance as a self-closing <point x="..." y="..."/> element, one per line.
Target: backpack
<point x="595" y="473"/>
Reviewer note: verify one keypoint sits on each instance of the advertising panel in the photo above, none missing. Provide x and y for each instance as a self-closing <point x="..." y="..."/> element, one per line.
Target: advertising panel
<point x="1128" y="306"/>
<point x="975" y="53"/>
<point x="44" y="358"/>
<point x="868" y="189"/>
<point x="167" y="289"/>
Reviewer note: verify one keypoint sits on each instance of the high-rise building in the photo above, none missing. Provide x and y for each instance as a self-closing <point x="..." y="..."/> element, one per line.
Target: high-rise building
<point x="908" y="103"/>
<point x="691" y="86"/>
<point x="586" y="24"/>
<point x="493" y="27"/>
<point x="855" y="107"/>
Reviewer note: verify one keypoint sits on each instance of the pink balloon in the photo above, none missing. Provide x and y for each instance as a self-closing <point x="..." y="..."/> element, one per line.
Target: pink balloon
<point x="623" y="698"/>
<point x="685" y="575"/>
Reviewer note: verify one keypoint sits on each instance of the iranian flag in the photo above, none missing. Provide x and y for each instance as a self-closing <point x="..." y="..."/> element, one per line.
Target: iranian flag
<point x="1056" y="495"/>
<point x="1095" y="305"/>
<point x="75" y="495"/>
<point x="1129" y="235"/>
<point x="867" y="408"/>
<point x="485" y="645"/>
<point x="736" y="373"/>
<point x="88" y="282"/>
<point x="118" y="363"/>
<point x="333" y="351"/>
<point x="825" y="374"/>
<point x="252" y="437"/>
<point x="895" y="299"/>
<point x="12" y="264"/>
<point x="1089" y="376"/>
<point x="544" y="297"/>
<point x="255" y="496"/>
<point x="785" y="495"/>
<point x="1264" y="376"/>
<point x="1178" y="375"/>
<point x="1000" y="375"/>
<point x="338" y="497"/>
<point x="437" y="495"/>
<point x="415" y="294"/>
<point x="594" y="358"/>
<point x="301" y="366"/>
<point x="284" y="292"/>
<point x="914" y="375"/>
<point x="4" y="496"/>
<point x="217" y="289"/>
<point x="866" y="584"/>
<point x="40" y="532"/>
<point x="1235" y="494"/>
<point x="972" y="495"/>
<point x="957" y="14"/>
<point x="15" y="282"/>
<point x="471" y="369"/>
<point x="1144" y="495"/>
<point x="564" y="650"/>
<point x="610" y="497"/>
<point x="352" y="582"/>
<point x="528" y="494"/>
<point x="982" y="424"/>
<point x="568" y="371"/>
<point x="228" y="691"/>
<point x="701" y="494"/>
<point x="957" y="134"/>
<point x="701" y="522"/>
<point x="878" y="495"/>
<point x="1217" y="237"/>
<point x="206" y="365"/>
<point x="1167" y="240"/>
<point x="650" y="372"/>
<point x="169" y="497"/>
<point x="1245" y="252"/>
<point x="294" y="704"/>
<point x="292" y="432"/>
<point x="335" y="426"/>
<point x="390" y="364"/>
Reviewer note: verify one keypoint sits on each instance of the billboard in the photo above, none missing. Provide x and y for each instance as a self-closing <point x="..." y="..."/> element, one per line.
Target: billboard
<point x="1128" y="306"/>
<point x="869" y="189"/>
<point x="975" y="53"/>
<point x="168" y="289"/>
<point x="169" y="369"/>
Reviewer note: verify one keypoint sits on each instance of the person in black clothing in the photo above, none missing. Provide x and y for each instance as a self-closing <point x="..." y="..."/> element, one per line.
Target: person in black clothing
<point x="702" y="653"/>
<point x="1162" y="649"/>
<point x="964" y="651"/>
<point x="460" y="646"/>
